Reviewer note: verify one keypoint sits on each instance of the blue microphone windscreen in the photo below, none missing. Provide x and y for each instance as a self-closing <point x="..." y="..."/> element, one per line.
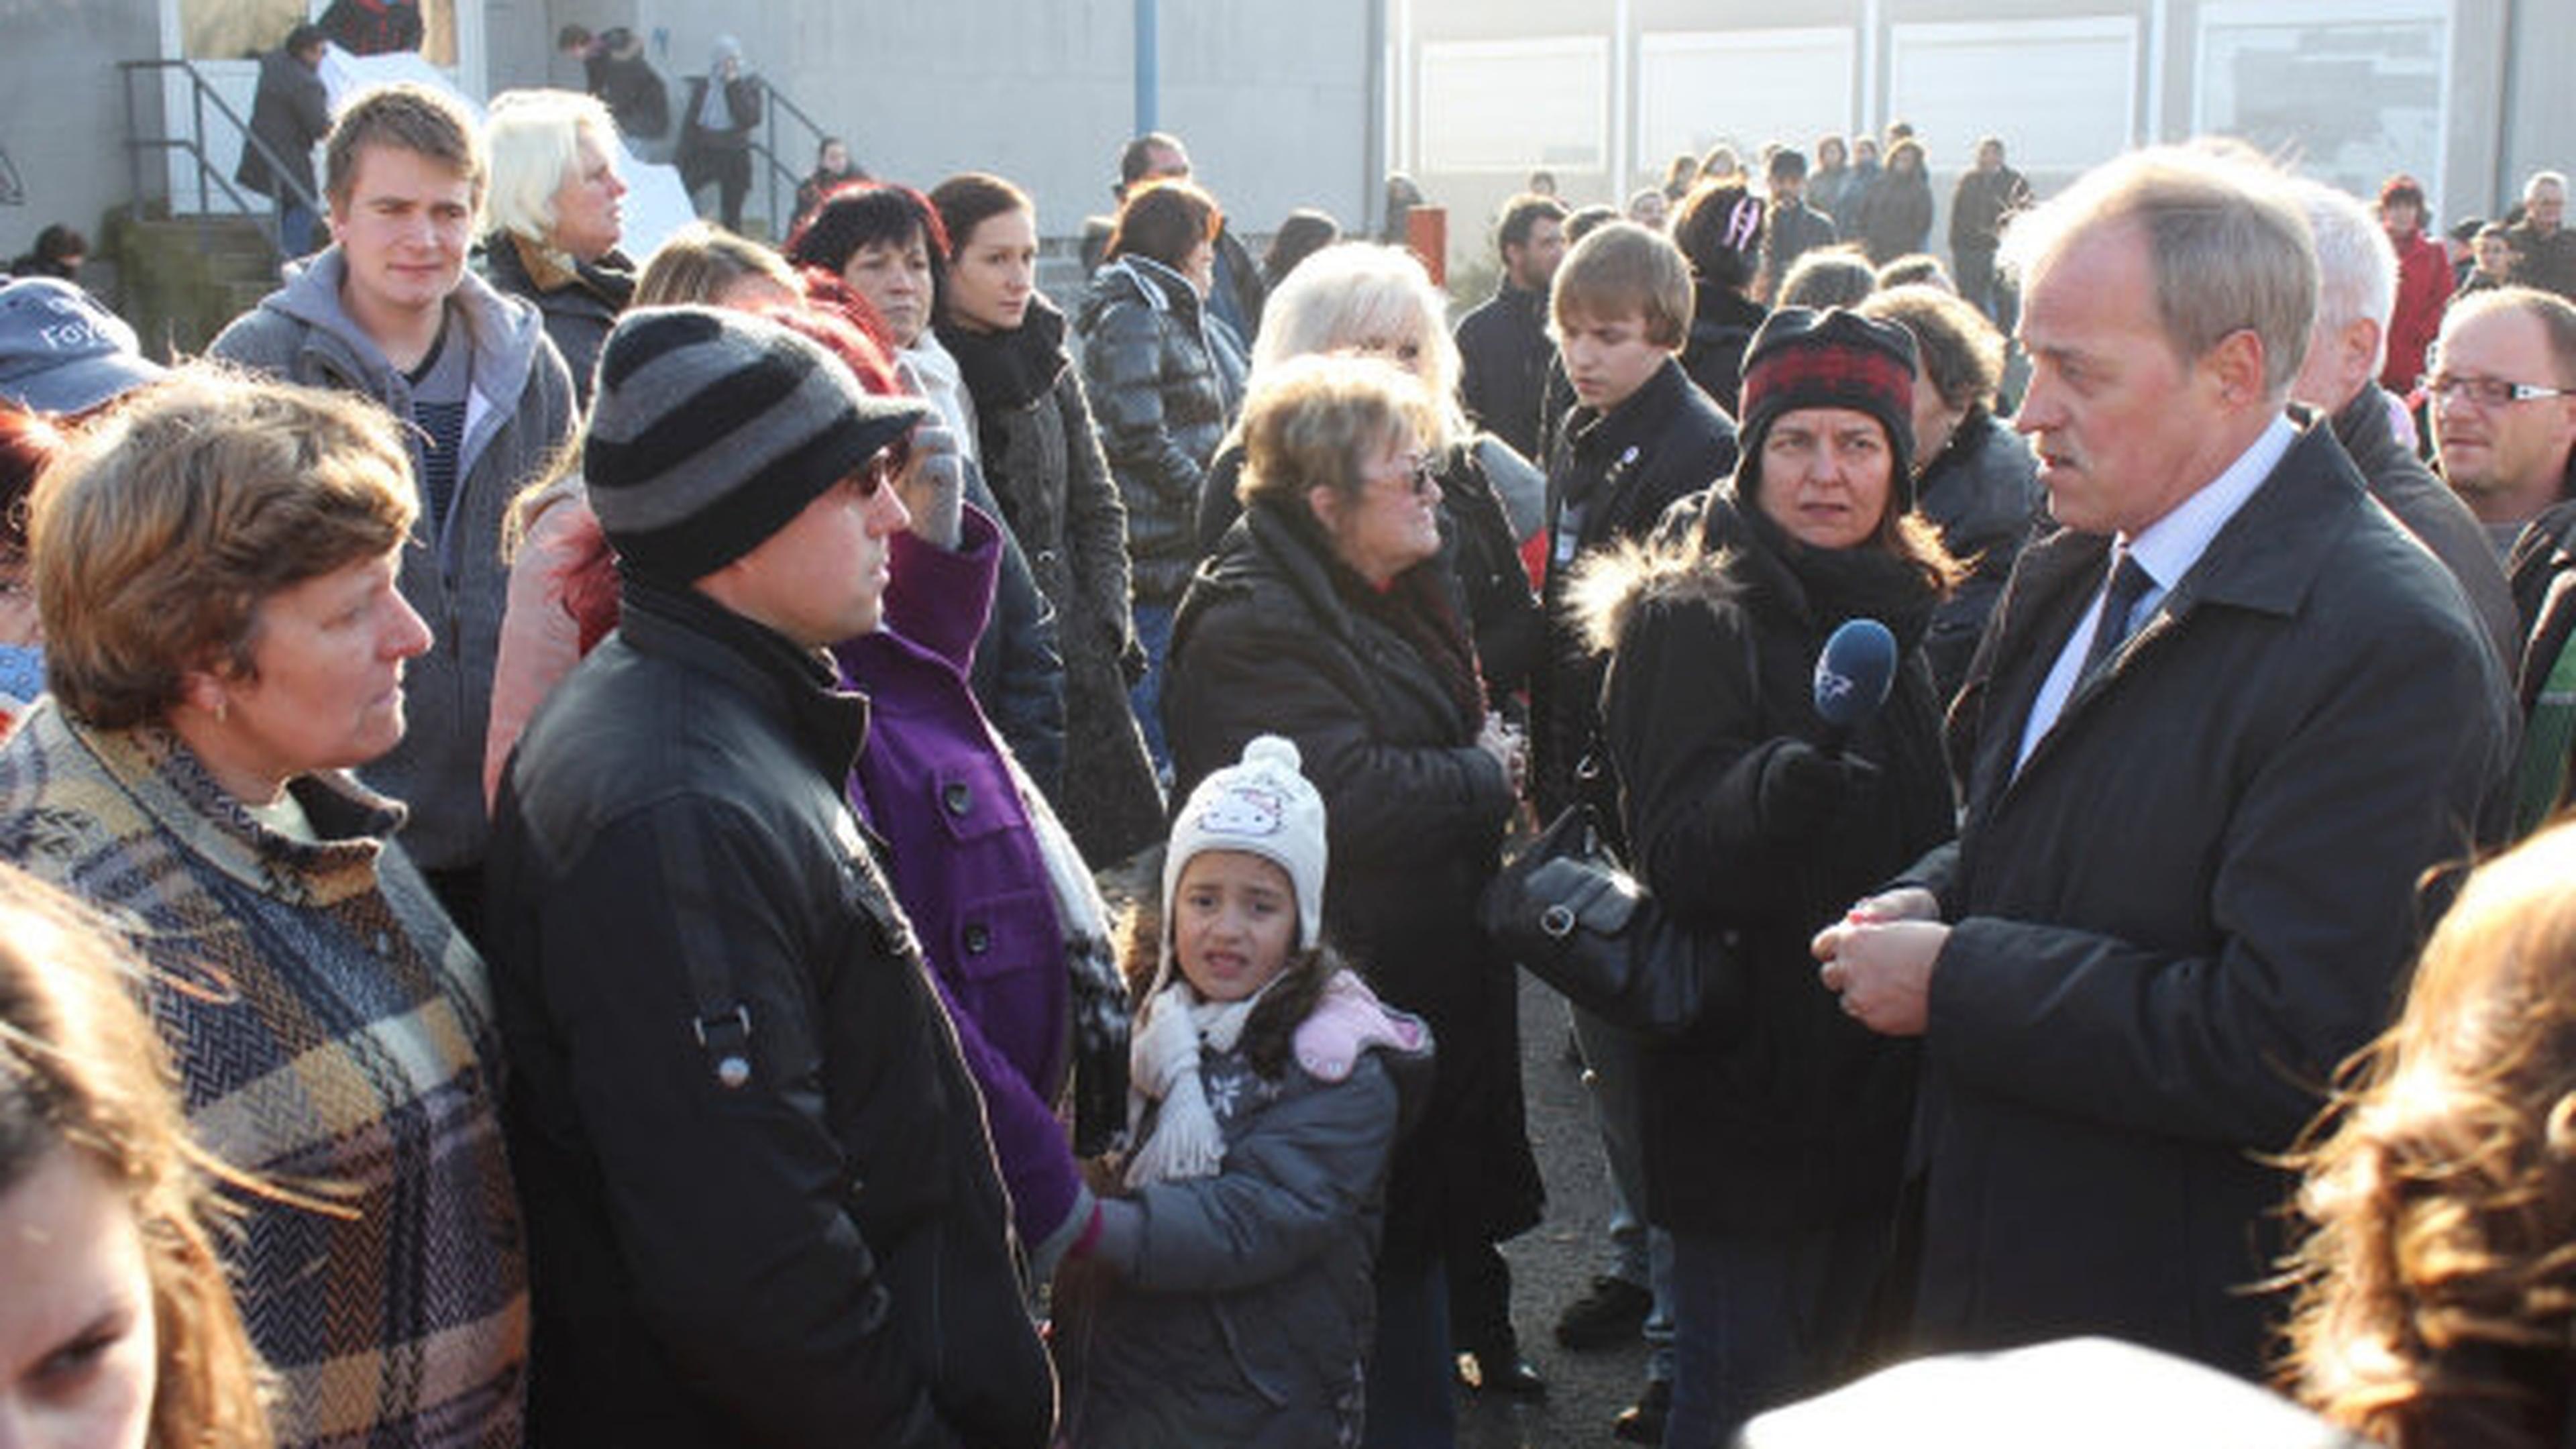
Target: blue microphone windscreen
<point x="1854" y="672"/>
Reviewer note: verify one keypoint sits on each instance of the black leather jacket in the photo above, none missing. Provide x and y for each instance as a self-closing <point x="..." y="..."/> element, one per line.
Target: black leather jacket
<point x="757" y="1181"/>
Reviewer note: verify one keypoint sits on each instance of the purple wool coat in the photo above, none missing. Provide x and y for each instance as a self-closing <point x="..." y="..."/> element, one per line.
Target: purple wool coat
<point x="934" y="785"/>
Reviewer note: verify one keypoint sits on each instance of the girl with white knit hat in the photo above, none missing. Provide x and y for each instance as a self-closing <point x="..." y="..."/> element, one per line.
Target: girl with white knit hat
<point x="1226" y="1297"/>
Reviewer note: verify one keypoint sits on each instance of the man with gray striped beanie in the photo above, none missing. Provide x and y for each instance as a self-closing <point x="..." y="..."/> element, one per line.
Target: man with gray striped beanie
<point x="759" y="1193"/>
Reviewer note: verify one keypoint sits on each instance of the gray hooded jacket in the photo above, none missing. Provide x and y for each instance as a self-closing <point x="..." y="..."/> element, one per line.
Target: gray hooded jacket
<point x="518" y="413"/>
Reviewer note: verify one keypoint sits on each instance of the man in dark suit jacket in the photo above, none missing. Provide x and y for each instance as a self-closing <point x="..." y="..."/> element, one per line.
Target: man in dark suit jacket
<point x="2186" y="881"/>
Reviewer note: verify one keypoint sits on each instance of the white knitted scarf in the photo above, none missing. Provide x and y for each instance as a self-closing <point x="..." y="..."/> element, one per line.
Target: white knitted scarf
<point x="1163" y="1066"/>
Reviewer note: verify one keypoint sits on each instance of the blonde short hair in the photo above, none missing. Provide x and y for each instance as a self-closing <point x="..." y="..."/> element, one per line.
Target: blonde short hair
<point x="534" y="143"/>
<point x="155" y="538"/>
<point x="697" y="262"/>
<point x="1313" y="420"/>
<point x="1358" y="294"/>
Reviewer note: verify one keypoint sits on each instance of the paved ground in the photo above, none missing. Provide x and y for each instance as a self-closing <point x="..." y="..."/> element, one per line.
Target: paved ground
<point x="1553" y="1263"/>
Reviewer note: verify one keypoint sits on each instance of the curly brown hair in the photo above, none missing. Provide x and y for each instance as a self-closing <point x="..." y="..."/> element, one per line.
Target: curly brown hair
<point x="2437" y="1280"/>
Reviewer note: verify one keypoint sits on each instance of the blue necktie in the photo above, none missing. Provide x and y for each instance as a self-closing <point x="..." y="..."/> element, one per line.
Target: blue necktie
<point x="2129" y="583"/>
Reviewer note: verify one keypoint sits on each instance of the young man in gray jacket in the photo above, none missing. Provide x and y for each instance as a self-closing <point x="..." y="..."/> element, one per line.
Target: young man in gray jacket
<point x="389" y="310"/>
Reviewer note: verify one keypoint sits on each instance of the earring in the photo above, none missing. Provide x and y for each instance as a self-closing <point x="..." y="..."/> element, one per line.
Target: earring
<point x="223" y="711"/>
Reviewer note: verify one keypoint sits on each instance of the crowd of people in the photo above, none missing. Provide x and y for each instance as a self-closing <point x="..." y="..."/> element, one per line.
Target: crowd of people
<point x="802" y="845"/>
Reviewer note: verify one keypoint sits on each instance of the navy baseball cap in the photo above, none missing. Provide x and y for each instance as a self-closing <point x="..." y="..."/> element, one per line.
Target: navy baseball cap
<point x="61" y="352"/>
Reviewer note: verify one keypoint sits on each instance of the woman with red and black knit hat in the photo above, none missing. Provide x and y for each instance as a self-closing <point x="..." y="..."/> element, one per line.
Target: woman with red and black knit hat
<point x="1775" y="1130"/>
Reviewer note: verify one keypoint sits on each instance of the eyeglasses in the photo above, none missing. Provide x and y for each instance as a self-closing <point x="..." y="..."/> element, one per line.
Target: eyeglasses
<point x="2487" y="392"/>
<point x="874" y="474"/>
<point x="1417" y="477"/>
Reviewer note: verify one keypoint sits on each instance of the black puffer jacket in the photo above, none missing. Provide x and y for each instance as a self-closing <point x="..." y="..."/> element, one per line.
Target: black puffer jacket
<point x="1267" y="642"/>
<point x="1779" y="1111"/>
<point x="1983" y="494"/>
<point x="1043" y="461"/>
<point x="816" y="1254"/>
<point x="1163" y="404"/>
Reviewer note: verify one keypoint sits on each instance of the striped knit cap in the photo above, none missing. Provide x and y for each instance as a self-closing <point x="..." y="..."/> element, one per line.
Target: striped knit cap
<point x="712" y="430"/>
<point x="1802" y="358"/>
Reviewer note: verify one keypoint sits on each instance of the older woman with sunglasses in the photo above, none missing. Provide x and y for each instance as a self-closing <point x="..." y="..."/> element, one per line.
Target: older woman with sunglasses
<point x="1326" y="617"/>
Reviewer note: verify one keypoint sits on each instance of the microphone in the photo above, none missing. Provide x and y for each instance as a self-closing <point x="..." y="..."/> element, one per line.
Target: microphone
<point x="1853" y="676"/>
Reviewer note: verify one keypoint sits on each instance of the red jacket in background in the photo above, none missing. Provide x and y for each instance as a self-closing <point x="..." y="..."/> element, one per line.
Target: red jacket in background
<point x="2423" y="291"/>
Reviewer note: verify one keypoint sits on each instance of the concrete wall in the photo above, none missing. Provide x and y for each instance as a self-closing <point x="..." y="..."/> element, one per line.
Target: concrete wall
<point x="62" y="110"/>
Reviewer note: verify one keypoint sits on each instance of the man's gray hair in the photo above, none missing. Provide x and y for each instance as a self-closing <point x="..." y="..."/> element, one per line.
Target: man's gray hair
<point x="2228" y="249"/>
<point x="2540" y="179"/>
<point x="2356" y="265"/>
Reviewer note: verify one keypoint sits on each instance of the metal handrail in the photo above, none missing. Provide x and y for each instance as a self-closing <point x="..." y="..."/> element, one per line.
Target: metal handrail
<point x="814" y="134"/>
<point x="764" y="148"/>
<point x="201" y="94"/>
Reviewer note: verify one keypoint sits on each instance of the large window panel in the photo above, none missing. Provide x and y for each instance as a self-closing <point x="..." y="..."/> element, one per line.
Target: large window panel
<point x="2063" y="94"/>
<point x="1508" y="105"/>
<point x="1696" y="89"/>
<point x="2350" y="92"/>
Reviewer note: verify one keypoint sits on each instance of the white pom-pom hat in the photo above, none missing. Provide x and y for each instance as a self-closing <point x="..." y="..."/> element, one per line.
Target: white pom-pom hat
<point x="1262" y="806"/>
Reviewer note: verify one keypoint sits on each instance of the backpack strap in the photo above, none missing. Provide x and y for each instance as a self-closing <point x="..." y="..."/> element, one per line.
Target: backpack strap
<point x="2540" y="772"/>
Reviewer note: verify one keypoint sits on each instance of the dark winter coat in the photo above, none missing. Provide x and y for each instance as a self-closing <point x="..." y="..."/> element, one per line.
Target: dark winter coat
<point x="2437" y="517"/>
<point x="1476" y="547"/>
<point x="1895" y="216"/>
<point x="1979" y="206"/>
<point x="1504" y="353"/>
<point x="579" y="304"/>
<point x="289" y="113"/>
<point x="627" y="84"/>
<point x="1846" y="207"/>
<point x="1722" y="324"/>
<point x="1826" y="190"/>
<point x="1042" y="459"/>
<point x="1983" y="494"/>
<point x="1266" y="643"/>
<point x="1240" y="291"/>
<point x="1613" y="476"/>
<point x="1243" y="1303"/>
<point x="1777" y="1111"/>
<point x="1791" y="232"/>
<point x="1149" y="364"/>
<point x="819" y="1253"/>
<point x="701" y="145"/>
<point x="1017" y="670"/>
<point x="2543" y="578"/>
<point x="2546" y="260"/>
<point x="2196" y="897"/>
